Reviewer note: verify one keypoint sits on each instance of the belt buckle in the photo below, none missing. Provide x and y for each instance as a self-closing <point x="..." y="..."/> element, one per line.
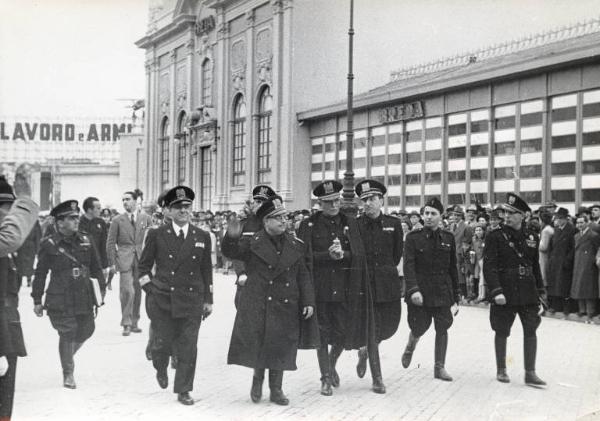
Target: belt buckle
<point x="522" y="270"/>
<point x="76" y="272"/>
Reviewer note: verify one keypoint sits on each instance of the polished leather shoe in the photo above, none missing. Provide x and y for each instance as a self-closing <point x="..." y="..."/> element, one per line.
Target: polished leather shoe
<point x="69" y="381"/>
<point x="378" y="386"/>
<point x="278" y="397"/>
<point x="406" y="358"/>
<point x="185" y="398"/>
<point x="442" y="374"/>
<point x="126" y="331"/>
<point x="361" y="367"/>
<point x="136" y="329"/>
<point x="501" y="376"/>
<point x="335" y="378"/>
<point x="531" y="379"/>
<point x="326" y="386"/>
<point x="162" y="379"/>
<point x="256" y="390"/>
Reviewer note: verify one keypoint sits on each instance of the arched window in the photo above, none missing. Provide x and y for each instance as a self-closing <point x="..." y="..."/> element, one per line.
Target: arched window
<point x="181" y="136"/>
<point x="164" y="153"/>
<point x="265" y="109"/>
<point x="239" y="140"/>
<point x="206" y="82"/>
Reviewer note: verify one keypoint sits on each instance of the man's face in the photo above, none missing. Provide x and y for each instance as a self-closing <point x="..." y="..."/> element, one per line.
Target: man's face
<point x="69" y="224"/>
<point x="494" y="222"/>
<point x="330" y="207"/>
<point x="581" y="224"/>
<point x="373" y="205"/>
<point x="559" y="221"/>
<point x="451" y="218"/>
<point x="414" y="219"/>
<point x="479" y="232"/>
<point x="275" y="225"/>
<point x="595" y="213"/>
<point x="256" y="203"/>
<point x="128" y="202"/>
<point x="181" y="213"/>
<point x="431" y="217"/>
<point x="513" y="219"/>
<point x="471" y="215"/>
<point x="96" y="209"/>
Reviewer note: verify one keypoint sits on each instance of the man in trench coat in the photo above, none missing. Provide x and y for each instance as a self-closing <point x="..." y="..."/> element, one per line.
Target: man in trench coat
<point x="274" y="315"/>
<point x="560" y="271"/>
<point x="585" y="271"/>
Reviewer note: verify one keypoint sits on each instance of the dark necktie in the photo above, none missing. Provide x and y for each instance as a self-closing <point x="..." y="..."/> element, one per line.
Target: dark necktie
<point x="132" y="220"/>
<point x="181" y="237"/>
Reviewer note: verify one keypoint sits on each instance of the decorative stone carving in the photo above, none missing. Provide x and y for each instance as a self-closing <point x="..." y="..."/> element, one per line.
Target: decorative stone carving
<point x="205" y="25"/>
<point x="264" y="71"/>
<point x="238" y="55"/>
<point x="181" y="86"/>
<point x="204" y="49"/>
<point x="150" y="65"/>
<point x="264" y="45"/>
<point x="250" y="18"/>
<point x="277" y="6"/>
<point x="190" y="45"/>
<point x="237" y="81"/>
<point x="164" y="92"/>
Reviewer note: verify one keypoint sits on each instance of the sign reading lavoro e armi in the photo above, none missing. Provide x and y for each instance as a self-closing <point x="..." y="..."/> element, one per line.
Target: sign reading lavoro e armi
<point x="58" y="132"/>
<point x="401" y="112"/>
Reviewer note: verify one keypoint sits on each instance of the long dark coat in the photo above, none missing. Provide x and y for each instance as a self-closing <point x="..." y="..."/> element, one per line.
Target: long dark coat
<point x="585" y="271"/>
<point x="268" y="330"/>
<point x="560" y="269"/>
<point x="25" y="256"/>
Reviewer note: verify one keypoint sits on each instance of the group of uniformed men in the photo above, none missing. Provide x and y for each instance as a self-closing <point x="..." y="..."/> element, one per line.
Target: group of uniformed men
<point x="333" y="287"/>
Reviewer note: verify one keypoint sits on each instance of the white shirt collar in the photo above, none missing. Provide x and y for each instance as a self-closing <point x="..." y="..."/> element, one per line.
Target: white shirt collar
<point x="176" y="229"/>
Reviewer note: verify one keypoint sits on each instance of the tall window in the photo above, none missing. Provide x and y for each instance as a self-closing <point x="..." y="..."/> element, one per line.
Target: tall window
<point x="239" y="140"/>
<point x="265" y="107"/>
<point x="206" y="178"/>
<point x="181" y="149"/>
<point x="206" y="82"/>
<point x="164" y="153"/>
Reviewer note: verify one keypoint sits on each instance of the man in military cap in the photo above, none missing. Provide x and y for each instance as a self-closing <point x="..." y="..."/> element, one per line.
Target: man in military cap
<point x="512" y="272"/>
<point x="431" y="278"/>
<point x="179" y="295"/>
<point x="382" y="237"/>
<point x="72" y="259"/>
<point x="330" y="238"/>
<point x="251" y="224"/>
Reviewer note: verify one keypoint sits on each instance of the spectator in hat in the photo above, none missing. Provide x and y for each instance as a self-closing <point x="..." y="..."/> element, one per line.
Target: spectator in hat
<point x="274" y="314"/>
<point x="415" y="220"/>
<point x="585" y="271"/>
<point x="496" y="218"/>
<point x="72" y="260"/>
<point x="462" y="238"/>
<point x="560" y="269"/>
<point x="545" y="241"/>
<point x="595" y="217"/>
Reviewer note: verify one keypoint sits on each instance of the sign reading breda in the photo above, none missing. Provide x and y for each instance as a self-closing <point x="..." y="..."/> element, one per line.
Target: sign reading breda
<point x="58" y="132"/>
<point x="401" y="112"/>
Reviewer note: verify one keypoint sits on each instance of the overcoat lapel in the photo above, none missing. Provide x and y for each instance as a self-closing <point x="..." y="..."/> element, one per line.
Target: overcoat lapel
<point x="581" y="239"/>
<point x="170" y="239"/>
<point x="289" y="255"/>
<point x="188" y="245"/>
<point x="264" y="248"/>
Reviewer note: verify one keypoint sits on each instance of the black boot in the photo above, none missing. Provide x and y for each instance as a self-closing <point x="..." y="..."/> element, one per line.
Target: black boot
<point x="530" y="350"/>
<point x="375" y="366"/>
<point x="257" y="383"/>
<point x="408" y="351"/>
<point x="275" y="382"/>
<point x="334" y="354"/>
<point x="361" y="367"/>
<point x="323" y="358"/>
<point x="441" y="344"/>
<point x="66" y="349"/>
<point x="500" y="345"/>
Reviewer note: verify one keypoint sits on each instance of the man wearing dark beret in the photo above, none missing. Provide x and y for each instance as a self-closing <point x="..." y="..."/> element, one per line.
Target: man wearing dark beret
<point x="180" y="293"/>
<point x="72" y="260"/>
<point x="431" y="279"/>
<point x="512" y="271"/>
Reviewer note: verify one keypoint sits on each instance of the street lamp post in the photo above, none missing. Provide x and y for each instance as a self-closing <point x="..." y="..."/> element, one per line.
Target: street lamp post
<point x="348" y="203"/>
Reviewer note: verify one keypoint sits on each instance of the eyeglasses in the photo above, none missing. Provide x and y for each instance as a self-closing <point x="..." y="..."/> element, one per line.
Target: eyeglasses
<point x="278" y="217"/>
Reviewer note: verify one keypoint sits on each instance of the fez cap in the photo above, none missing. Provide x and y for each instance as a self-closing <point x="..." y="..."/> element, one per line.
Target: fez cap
<point x="328" y="190"/>
<point x="6" y="192"/>
<point x="179" y="194"/>
<point x="273" y="206"/>
<point x="435" y="203"/>
<point x="368" y="187"/>
<point x="561" y="213"/>
<point x="515" y="204"/>
<point x="68" y="208"/>
<point x="262" y="191"/>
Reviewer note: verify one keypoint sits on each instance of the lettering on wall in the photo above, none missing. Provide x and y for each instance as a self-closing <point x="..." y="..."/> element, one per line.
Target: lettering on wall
<point x="61" y="132"/>
<point x="401" y="112"/>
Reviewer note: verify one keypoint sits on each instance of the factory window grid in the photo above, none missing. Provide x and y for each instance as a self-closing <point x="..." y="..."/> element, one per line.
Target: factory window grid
<point x="265" y="111"/>
<point x="164" y="153"/>
<point x="590" y="138"/>
<point x="563" y="141"/>
<point x="239" y="141"/>
<point x="181" y="139"/>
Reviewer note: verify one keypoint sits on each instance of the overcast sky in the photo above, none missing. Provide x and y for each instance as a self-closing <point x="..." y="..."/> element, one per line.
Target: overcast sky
<point x="63" y="58"/>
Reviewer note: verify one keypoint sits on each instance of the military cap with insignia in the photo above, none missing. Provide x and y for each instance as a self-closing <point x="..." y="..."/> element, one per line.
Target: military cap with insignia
<point x="368" y="188"/>
<point x="328" y="190"/>
<point x="273" y="206"/>
<point x="179" y="194"/>
<point x="435" y="203"/>
<point x="561" y="213"/>
<point x="515" y="204"/>
<point x="263" y="192"/>
<point x="6" y="192"/>
<point x="64" y="209"/>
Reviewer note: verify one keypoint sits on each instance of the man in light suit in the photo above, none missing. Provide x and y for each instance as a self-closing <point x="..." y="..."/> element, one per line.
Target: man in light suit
<point x="124" y="249"/>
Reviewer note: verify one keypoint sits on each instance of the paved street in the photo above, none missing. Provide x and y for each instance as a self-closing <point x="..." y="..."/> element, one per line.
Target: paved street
<point x="116" y="382"/>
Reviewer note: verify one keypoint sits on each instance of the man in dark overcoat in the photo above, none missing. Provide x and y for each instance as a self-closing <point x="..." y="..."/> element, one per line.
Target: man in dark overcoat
<point x="274" y="316"/>
<point x="512" y="271"/>
<point x="72" y="259"/>
<point x="585" y="271"/>
<point x="431" y="277"/>
<point x="330" y="236"/>
<point x="382" y="237"/>
<point x="17" y="216"/>
<point x="180" y="294"/>
<point x="562" y="255"/>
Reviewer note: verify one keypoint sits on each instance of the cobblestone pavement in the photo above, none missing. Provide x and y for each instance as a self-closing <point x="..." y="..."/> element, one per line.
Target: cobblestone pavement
<point x="116" y="382"/>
